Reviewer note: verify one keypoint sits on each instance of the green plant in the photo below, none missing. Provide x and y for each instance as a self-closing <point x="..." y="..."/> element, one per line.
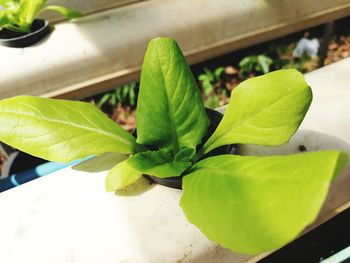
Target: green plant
<point x="283" y="58"/>
<point x="304" y="64"/>
<point x="209" y="80"/>
<point x="125" y="95"/>
<point x="18" y="15"/>
<point x="246" y="203"/>
<point x="251" y="64"/>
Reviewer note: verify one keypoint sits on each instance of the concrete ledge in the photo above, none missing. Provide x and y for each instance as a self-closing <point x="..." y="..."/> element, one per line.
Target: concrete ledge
<point x="68" y="217"/>
<point x="106" y="49"/>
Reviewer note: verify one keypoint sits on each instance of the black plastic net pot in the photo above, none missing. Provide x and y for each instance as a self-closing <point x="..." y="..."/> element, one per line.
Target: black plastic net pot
<point x="40" y="29"/>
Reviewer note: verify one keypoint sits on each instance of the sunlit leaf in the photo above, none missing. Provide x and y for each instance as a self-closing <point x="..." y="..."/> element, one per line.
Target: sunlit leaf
<point x="22" y="13"/>
<point x="255" y="204"/>
<point x="265" y="110"/>
<point x="60" y="130"/>
<point x="170" y="112"/>
<point x="121" y="176"/>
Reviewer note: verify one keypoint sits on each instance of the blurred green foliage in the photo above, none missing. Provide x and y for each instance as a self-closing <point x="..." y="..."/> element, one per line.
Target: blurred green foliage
<point x="126" y="95"/>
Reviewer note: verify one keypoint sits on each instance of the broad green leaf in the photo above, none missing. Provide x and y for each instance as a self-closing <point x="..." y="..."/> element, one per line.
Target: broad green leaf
<point x="265" y="110"/>
<point x="170" y="111"/>
<point x="255" y="204"/>
<point x="60" y="130"/>
<point x="64" y="11"/>
<point x="159" y="164"/>
<point x="121" y="176"/>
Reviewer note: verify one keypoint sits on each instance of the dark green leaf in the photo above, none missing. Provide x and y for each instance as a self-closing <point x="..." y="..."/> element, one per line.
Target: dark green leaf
<point x="185" y="155"/>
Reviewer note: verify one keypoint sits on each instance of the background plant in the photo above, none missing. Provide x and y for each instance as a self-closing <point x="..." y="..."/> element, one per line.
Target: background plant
<point x="246" y="203"/>
<point x="18" y="15"/>
<point x="212" y="87"/>
<point x="255" y="64"/>
<point x="124" y="95"/>
<point x="283" y="58"/>
<point x="119" y="104"/>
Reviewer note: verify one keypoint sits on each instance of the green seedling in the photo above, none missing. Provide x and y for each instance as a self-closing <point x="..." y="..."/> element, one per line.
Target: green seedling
<point x="248" y="204"/>
<point x="255" y="64"/>
<point x="18" y="15"/>
<point x="209" y="79"/>
<point x="125" y="95"/>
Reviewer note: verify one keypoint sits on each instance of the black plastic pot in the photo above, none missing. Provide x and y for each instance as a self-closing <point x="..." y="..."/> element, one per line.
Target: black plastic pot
<point x="176" y="182"/>
<point x="40" y="29"/>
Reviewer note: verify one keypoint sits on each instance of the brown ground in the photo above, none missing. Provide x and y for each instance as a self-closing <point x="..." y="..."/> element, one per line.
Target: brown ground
<point x="338" y="50"/>
<point x="125" y="116"/>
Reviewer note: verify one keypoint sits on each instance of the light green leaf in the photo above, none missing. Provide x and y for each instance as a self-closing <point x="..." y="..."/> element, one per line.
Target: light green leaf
<point x="64" y="11"/>
<point x="218" y="72"/>
<point x="10" y="4"/>
<point x="265" y="110"/>
<point x="103" y="100"/>
<point x="264" y="62"/>
<point x="21" y="13"/>
<point x="121" y="176"/>
<point x="247" y="63"/>
<point x="170" y="112"/>
<point x="255" y="204"/>
<point x="159" y="164"/>
<point x="60" y="130"/>
<point x="29" y="10"/>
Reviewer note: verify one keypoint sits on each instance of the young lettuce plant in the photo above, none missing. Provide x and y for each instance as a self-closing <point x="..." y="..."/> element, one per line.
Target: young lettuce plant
<point x="249" y="204"/>
<point x="18" y="15"/>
